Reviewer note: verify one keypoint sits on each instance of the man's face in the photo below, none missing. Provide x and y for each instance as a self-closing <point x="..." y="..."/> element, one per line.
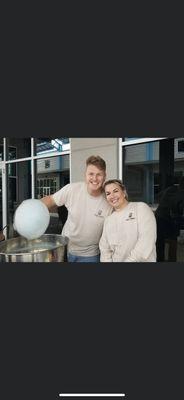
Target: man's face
<point x="95" y="178"/>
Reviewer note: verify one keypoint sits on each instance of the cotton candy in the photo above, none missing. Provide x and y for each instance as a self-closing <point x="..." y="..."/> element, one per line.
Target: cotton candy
<point x="31" y="219"/>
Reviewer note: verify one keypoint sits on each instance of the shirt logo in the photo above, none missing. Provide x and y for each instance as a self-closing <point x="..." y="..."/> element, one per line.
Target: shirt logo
<point x="130" y="216"/>
<point x="99" y="213"/>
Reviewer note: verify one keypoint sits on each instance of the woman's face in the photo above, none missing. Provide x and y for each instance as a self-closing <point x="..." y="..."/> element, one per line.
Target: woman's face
<point x="115" y="196"/>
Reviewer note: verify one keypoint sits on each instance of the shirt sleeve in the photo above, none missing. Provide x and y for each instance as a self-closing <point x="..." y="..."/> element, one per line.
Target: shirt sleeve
<point x="105" y="249"/>
<point x="146" y="235"/>
<point x="61" y="196"/>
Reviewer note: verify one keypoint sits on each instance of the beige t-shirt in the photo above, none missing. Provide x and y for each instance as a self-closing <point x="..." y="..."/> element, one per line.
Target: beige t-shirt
<point x="86" y="215"/>
<point x="129" y="235"/>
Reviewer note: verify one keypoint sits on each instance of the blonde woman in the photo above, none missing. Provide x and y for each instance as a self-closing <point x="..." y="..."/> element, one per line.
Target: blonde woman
<point x="129" y="233"/>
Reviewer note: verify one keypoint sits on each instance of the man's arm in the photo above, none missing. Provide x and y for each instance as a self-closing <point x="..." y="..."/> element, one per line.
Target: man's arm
<point x="57" y="199"/>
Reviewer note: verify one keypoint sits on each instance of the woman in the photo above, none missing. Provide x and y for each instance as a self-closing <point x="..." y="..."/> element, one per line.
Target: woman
<point x="129" y="233"/>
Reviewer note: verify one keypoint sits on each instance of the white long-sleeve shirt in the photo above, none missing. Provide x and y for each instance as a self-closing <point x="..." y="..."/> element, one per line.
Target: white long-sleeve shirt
<point x="129" y="235"/>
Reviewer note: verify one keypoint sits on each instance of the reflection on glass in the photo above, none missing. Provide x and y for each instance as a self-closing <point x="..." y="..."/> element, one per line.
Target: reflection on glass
<point x="141" y="171"/>
<point x="18" y="148"/>
<point x="49" y="145"/>
<point x="1" y="217"/>
<point x="19" y="189"/>
<point x="51" y="174"/>
<point x="154" y="173"/>
<point x="1" y="158"/>
<point x="1" y="149"/>
<point x="127" y="139"/>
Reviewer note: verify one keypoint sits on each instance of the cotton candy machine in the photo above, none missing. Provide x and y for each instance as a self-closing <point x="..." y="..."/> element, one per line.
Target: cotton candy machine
<point x="47" y="248"/>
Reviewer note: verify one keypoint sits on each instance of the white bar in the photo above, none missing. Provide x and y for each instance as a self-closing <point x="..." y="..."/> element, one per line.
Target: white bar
<point x="60" y="153"/>
<point x="4" y="198"/>
<point x="18" y="160"/>
<point x="139" y="141"/>
<point x="32" y="170"/>
<point x="51" y="154"/>
<point x="92" y="394"/>
<point x="120" y="159"/>
<point x="70" y="163"/>
<point x="4" y="190"/>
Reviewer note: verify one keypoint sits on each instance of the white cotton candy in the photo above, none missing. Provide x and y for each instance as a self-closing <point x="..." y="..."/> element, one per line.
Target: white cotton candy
<point x="31" y="219"/>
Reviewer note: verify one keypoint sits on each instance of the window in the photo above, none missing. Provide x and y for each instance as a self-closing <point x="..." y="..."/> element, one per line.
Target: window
<point x="153" y="172"/>
<point x="33" y="168"/>
<point x="180" y="146"/>
<point x="18" y="189"/>
<point x="141" y="171"/>
<point x="1" y="223"/>
<point x="47" y="163"/>
<point x="49" y="145"/>
<point x="1" y="152"/>
<point x="18" y="148"/>
<point x="47" y="187"/>
<point x="52" y="178"/>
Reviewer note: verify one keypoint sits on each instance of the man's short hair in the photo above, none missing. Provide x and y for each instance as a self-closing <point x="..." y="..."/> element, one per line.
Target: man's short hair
<point x="97" y="161"/>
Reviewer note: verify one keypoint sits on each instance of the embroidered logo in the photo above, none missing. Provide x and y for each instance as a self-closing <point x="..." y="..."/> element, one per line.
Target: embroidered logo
<point x="99" y="213"/>
<point x="130" y="216"/>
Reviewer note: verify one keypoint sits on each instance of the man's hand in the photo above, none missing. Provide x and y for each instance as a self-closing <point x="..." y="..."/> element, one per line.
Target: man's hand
<point x="50" y="203"/>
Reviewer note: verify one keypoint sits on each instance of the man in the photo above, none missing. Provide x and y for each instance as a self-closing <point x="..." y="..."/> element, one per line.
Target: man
<point x="87" y="209"/>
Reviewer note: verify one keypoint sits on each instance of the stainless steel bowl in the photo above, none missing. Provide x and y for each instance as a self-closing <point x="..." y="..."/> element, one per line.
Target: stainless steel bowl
<point x="47" y="248"/>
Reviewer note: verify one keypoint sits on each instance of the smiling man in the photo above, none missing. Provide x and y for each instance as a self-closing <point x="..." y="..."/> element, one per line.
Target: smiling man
<point x="87" y="209"/>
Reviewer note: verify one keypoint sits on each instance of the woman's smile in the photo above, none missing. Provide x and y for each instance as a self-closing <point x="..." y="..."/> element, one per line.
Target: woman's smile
<point x="115" y="196"/>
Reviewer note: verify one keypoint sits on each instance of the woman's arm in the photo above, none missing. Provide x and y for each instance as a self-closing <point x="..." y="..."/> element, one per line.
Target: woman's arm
<point x="145" y="245"/>
<point x="105" y="249"/>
